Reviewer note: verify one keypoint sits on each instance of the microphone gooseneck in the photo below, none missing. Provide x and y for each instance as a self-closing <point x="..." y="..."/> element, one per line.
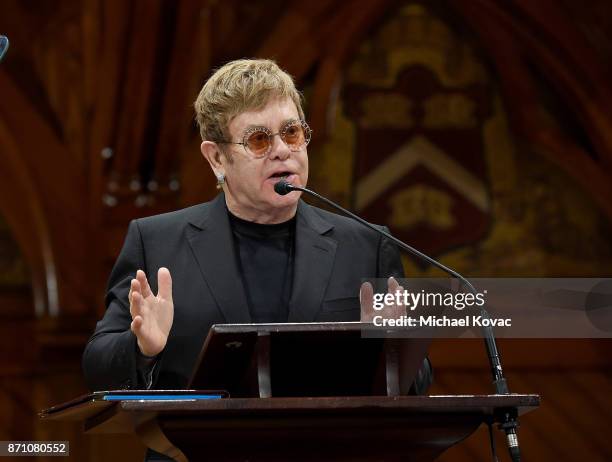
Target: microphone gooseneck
<point x="510" y="422"/>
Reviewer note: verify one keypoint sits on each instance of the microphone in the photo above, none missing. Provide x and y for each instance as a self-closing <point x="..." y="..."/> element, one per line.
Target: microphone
<point x="283" y="188"/>
<point x="510" y="423"/>
<point x="4" y="44"/>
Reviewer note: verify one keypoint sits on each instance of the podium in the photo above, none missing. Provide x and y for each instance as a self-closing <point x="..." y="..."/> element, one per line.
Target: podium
<point x="299" y="392"/>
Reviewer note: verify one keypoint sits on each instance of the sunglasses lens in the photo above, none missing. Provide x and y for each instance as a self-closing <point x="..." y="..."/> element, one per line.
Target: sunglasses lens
<point x="258" y="143"/>
<point x="294" y="135"/>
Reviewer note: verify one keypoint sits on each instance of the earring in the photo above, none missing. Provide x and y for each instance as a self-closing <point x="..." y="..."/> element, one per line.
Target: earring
<point x="220" y="180"/>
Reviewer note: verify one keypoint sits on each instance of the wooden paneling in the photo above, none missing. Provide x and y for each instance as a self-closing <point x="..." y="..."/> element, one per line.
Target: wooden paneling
<point x="572" y="377"/>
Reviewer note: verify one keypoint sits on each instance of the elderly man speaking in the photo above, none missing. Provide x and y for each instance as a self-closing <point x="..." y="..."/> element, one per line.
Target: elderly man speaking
<point x="249" y="256"/>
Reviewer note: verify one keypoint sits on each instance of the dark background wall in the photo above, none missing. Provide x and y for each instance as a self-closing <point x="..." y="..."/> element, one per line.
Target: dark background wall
<point x="497" y="112"/>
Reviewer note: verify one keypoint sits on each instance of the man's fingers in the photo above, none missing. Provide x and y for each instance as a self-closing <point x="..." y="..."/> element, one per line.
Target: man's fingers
<point x="394" y="288"/>
<point x="392" y="285"/>
<point x="366" y="294"/>
<point x="134" y="288"/>
<point x="366" y="299"/>
<point x="144" y="284"/>
<point x="400" y="290"/>
<point x="136" y="325"/>
<point x="136" y="305"/>
<point x="398" y="308"/>
<point x="164" y="284"/>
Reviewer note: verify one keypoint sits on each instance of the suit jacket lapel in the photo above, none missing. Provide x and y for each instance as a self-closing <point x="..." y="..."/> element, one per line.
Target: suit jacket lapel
<point x="212" y="243"/>
<point x="314" y="259"/>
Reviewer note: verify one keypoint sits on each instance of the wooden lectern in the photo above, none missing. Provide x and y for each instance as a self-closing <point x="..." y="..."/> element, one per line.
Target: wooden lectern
<point x="299" y="392"/>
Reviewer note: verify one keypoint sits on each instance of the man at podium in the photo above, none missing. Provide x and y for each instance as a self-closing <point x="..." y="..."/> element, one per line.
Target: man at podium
<point x="248" y="256"/>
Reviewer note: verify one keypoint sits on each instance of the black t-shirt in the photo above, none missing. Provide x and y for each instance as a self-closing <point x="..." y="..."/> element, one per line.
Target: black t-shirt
<point x="265" y="258"/>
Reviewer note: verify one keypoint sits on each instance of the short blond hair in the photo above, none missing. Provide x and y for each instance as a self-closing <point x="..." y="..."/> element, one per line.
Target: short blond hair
<point x="238" y="86"/>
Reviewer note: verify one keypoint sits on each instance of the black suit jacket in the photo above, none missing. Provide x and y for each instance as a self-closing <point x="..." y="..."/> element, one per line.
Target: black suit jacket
<point x="332" y="255"/>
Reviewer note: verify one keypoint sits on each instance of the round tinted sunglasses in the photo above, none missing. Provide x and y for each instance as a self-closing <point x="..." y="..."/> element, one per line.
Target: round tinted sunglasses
<point x="258" y="140"/>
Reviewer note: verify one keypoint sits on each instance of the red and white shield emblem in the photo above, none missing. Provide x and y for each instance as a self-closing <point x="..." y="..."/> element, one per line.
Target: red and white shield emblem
<point x="419" y="159"/>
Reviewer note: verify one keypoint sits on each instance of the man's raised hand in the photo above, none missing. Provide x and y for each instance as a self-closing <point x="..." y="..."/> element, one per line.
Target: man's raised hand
<point x="366" y="298"/>
<point x="152" y="315"/>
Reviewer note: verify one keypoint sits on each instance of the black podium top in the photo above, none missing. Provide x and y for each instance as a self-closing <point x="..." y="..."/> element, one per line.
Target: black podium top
<point x="306" y="359"/>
